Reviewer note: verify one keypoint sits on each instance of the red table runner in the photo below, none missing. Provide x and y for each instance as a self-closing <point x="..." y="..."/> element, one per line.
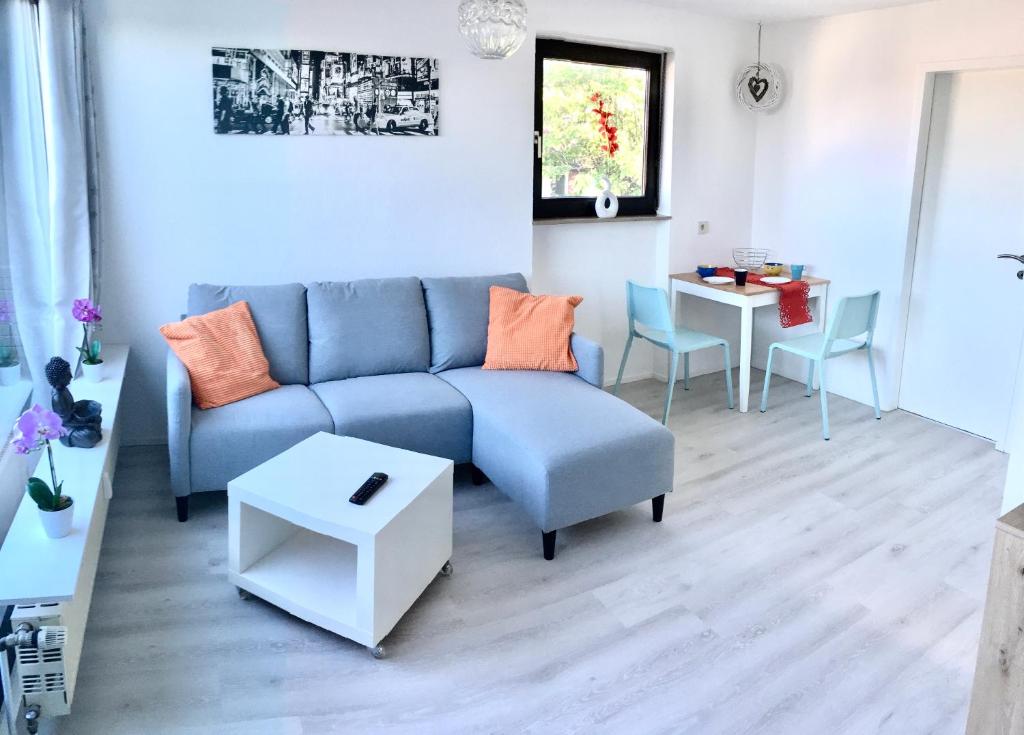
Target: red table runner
<point x="793" y="296"/>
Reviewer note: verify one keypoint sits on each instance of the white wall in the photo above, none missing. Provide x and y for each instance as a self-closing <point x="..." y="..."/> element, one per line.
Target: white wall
<point x="594" y="261"/>
<point x="181" y="204"/>
<point x="835" y="163"/>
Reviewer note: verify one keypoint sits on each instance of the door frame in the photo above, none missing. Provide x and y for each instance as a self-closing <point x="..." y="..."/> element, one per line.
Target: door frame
<point x="920" y="136"/>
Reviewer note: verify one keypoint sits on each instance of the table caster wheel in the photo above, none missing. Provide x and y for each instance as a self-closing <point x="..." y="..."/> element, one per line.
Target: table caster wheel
<point x="447" y="569"/>
<point x="244" y="594"/>
<point x="377" y="651"/>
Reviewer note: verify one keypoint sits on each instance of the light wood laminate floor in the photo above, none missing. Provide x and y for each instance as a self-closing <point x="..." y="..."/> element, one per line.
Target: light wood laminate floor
<point x="795" y="586"/>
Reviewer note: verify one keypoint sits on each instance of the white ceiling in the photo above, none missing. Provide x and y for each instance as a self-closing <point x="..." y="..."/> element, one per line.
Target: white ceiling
<point x="779" y="10"/>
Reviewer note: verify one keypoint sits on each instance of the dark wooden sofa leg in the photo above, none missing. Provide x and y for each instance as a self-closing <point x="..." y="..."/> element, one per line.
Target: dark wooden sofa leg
<point x="479" y="478"/>
<point x="182" y="504"/>
<point x="549" y="544"/>
<point x="658" y="504"/>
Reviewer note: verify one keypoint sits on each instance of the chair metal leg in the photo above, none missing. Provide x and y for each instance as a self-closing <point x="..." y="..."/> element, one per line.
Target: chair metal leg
<point x="728" y="373"/>
<point x="824" y="399"/>
<point x="622" y="365"/>
<point x="671" y="385"/>
<point x="686" y="371"/>
<point x="874" y="385"/>
<point x="810" y="378"/>
<point x="767" y="379"/>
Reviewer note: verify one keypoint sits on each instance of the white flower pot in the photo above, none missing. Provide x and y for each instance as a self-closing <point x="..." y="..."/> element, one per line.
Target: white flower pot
<point x="57" y="523"/>
<point x="93" y="373"/>
<point x="10" y="375"/>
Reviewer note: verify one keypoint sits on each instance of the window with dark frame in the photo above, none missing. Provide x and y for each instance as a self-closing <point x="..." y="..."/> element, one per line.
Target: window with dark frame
<point x="597" y="115"/>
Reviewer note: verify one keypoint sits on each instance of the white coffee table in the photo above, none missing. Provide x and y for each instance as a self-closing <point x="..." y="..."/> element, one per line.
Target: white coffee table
<point x="296" y="542"/>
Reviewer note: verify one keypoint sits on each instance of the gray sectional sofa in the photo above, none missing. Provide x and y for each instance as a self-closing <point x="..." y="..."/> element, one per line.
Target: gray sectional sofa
<point x="397" y="361"/>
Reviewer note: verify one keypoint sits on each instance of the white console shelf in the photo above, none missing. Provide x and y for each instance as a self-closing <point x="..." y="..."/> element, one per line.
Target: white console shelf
<point x="52" y="579"/>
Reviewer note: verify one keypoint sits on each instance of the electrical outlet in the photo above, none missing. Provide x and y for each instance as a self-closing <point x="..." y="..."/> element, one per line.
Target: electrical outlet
<point x="703" y="227"/>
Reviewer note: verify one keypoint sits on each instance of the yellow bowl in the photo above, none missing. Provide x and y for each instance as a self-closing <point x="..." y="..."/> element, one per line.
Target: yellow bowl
<point x="772" y="269"/>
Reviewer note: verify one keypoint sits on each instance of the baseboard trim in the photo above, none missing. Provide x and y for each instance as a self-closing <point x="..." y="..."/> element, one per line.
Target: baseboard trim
<point x="631" y="378"/>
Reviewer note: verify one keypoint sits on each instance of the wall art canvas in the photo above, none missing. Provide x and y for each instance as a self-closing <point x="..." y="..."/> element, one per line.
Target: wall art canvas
<point x="271" y="92"/>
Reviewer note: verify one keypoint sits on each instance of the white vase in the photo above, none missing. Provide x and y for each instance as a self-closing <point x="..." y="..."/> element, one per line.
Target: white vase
<point x="92" y="373"/>
<point x="10" y="374"/>
<point x="607" y="204"/>
<point x="57" y="523"/>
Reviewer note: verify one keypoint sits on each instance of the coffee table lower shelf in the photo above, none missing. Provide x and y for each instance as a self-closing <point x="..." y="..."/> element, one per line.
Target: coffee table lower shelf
<point x="313" y="577"/>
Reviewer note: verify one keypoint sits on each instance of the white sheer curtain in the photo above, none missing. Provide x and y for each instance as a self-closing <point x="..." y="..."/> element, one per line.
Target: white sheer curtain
<point x="44" y="139"/>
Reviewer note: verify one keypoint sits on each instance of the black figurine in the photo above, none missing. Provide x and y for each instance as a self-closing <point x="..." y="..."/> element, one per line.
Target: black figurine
<point x="82" y="419"/>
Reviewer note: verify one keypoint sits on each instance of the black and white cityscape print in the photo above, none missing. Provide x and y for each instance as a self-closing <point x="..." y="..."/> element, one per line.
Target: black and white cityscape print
<point x="262" y="92"/>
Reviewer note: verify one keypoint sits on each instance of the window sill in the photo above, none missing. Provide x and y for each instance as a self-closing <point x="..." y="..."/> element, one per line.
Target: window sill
<point x="600" y="221"/>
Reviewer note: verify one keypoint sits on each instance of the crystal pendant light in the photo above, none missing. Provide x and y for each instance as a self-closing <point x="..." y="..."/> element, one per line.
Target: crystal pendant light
<point x="493" y="29"/>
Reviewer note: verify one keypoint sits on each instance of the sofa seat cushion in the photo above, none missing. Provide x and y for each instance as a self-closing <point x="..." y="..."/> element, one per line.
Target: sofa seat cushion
<point x="458" y="309"/>
<point x="368" y="327"/>
<point x="279" y="313"/>
<point x="414" y="411"/>
<point x="230" y="440"/>
<point x="563" y="449"/>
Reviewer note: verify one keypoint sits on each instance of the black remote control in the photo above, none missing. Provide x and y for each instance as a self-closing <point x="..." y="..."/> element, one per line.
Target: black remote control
<point x="374" y="483"/>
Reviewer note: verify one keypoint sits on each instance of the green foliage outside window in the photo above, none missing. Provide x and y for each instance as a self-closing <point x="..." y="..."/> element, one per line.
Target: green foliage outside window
<point x="574" y="162"/>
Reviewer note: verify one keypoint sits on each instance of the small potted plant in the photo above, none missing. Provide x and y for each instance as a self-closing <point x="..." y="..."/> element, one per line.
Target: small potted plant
<point x="10" y="369"/>
<point x="33" y="432"/>
<point x="90" y="315"/>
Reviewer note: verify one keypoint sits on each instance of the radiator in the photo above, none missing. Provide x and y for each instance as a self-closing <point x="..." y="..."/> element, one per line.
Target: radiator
<point x="46" y="678"/>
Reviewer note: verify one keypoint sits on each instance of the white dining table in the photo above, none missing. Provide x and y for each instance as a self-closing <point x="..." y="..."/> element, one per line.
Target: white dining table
<point x="746" y="298"/>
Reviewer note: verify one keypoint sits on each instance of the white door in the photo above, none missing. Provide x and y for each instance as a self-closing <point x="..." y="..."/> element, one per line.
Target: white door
<point x="967" y="308"/>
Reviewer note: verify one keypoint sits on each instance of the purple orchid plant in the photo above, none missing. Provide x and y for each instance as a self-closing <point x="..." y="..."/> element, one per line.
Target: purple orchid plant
<point x="34" y="430"/>
<point x="90" y="315"/>
<point x="8" y="352"/>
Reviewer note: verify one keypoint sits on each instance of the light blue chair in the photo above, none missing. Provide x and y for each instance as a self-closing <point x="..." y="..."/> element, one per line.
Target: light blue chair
<point x="651" y="319"/>
<point x="854" y="318"/>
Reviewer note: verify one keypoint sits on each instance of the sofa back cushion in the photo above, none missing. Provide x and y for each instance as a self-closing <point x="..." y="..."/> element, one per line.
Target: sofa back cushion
<point x="369" y="327"/>
<point x="458" y="310"/>
<point x="279" y="313"/>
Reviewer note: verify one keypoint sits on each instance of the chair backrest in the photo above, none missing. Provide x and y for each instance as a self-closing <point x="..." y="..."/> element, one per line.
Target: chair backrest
<point x="854" y="316"/>
<point x="648" y="306"/>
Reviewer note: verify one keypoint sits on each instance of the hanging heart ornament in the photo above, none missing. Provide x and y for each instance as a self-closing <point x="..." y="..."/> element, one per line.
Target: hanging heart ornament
<point x="759" y="87"/>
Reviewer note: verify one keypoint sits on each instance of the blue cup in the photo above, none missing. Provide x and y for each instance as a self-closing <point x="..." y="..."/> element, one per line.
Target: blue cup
<point x="797" y="271"/>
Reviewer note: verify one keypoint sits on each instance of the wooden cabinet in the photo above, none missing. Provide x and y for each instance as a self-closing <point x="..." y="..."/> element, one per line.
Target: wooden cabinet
<point x="997" y="703"/>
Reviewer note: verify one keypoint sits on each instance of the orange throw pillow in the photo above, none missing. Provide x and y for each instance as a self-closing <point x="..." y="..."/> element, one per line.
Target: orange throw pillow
<point x="223" y="354"/>
<point x="527" y="332"/>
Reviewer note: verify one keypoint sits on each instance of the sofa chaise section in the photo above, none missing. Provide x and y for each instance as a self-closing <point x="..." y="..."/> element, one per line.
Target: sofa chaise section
<point x="565" y="451"/>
